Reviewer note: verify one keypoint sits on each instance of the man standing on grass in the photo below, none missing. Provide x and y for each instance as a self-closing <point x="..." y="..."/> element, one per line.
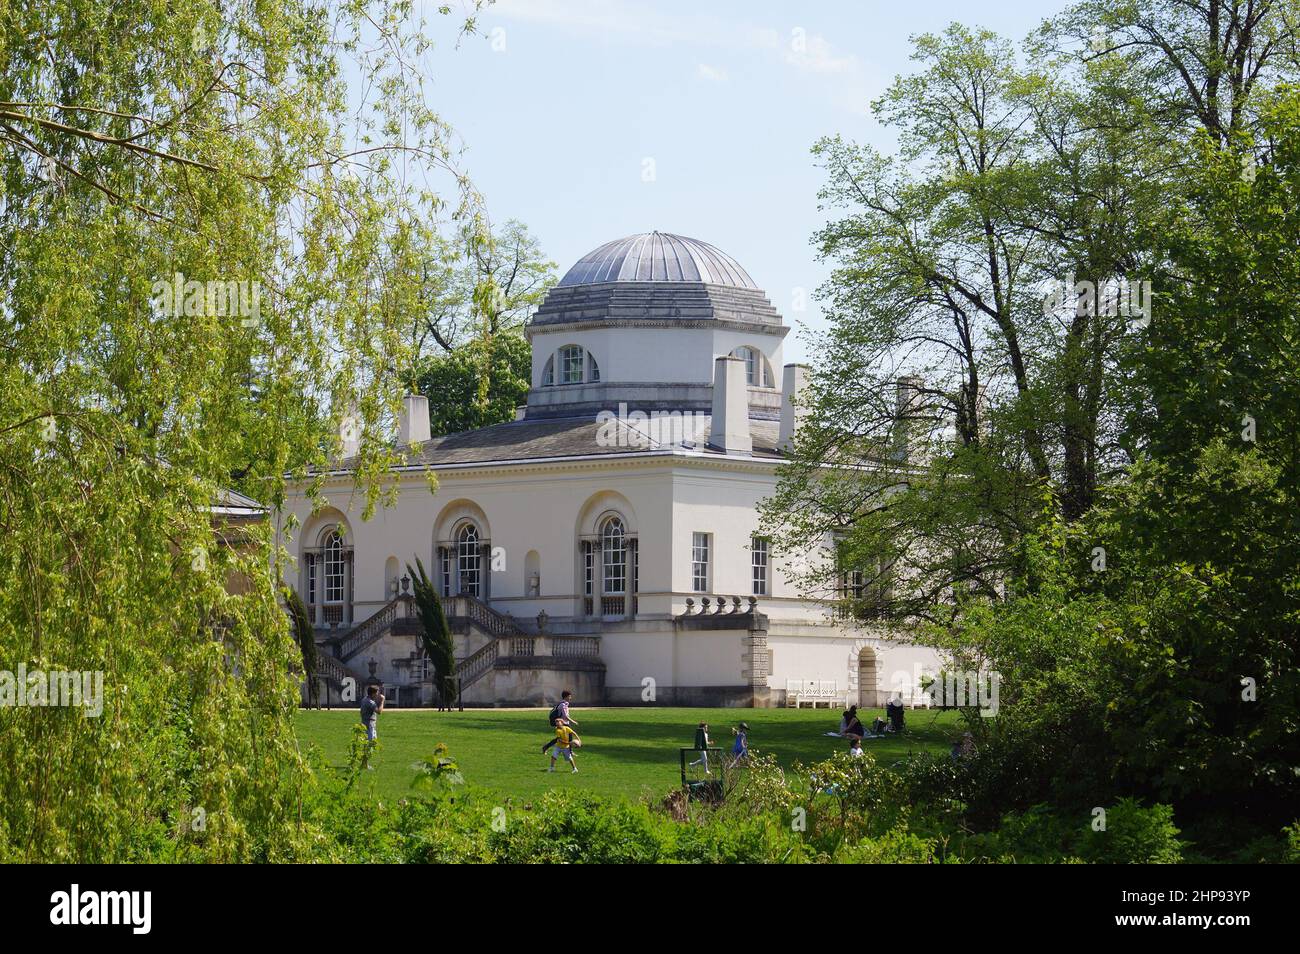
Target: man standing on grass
<point x="560" y="716"/>
<point x="371" y="706"/>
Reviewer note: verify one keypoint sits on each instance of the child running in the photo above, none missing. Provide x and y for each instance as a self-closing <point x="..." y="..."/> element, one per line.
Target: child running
<point x="560" y="714"/>
<point x="740" y="750"/>
<point x="566" y="740"/>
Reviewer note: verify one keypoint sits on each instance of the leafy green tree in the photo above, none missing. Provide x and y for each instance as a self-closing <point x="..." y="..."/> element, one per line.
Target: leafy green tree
<point x="454" y="383"/>
<point x="147" y="147"/>
<point x="482" y="286"/>
<point x="1111" y="522"/>
<point x="1205" y="533"/>
<point x="435" y="635"/>
<point x="504" y="271"/>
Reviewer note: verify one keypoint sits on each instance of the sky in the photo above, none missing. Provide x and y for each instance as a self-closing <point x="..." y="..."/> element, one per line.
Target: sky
<point x="589" y="120"/>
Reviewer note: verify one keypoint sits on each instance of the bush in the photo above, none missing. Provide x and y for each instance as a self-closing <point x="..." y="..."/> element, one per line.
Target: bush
<point x="1291" y="854"/>
<point x="896" y="846"/>
<point x="1134" y="835"/>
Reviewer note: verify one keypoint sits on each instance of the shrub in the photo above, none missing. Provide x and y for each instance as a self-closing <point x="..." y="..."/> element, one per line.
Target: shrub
<point x="1134" y="835"/>
<point x="896" y="846"/>
<point x="1291" y="855"/>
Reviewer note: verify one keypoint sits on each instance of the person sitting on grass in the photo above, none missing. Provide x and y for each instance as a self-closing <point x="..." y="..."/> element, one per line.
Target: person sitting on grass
<point x="855" y="749"/>
<point x="850" y="726"/>
<point x="566" y="740"/>
<point x="740" y="749"/>
<point x="702" y="746"/>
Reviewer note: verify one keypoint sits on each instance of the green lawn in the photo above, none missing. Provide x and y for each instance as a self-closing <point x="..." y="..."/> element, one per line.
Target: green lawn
<point x="625" y="751"/>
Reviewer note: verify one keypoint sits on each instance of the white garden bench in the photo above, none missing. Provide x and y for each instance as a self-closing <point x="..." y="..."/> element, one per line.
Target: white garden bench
<point x="814" y="692"/>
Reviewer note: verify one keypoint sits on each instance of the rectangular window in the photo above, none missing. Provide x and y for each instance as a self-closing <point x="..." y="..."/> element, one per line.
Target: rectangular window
<point x="444" y="554"/>
<point x="311" y="579"/>
<point x="700" y="562"/>
<point x="571" y="361"/>
<point x="614" y="555"/>
<point x="634" y="551"/>
<point x="334" y="573"/>
<point x="468" y="564"/>
<point x="865" y="594"/>
<point x="589" y="577"/>
<point x="760" y="560"/>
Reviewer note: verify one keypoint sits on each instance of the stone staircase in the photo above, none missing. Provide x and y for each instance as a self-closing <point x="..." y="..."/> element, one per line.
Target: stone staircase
<point x="335" y="671"/>
<point x="506" y="640"/>
<point x="497" y="625"/>
<point x="398" y="616"/>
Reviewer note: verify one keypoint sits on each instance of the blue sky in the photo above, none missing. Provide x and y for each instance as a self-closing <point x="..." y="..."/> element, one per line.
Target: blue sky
<point x="564" y="104"/>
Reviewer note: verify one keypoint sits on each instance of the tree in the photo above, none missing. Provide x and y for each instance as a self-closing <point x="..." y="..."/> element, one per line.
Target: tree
<point x="1113" y="530"/>
<point x="218" y="150"/>
<point x="435" y="635"/>
<point x="453" y="383"/>
<point x="484" y="284"/>
<point x="948" y="383"/>
<point x="304" y="635"/>
<point x="1205" y="531"/>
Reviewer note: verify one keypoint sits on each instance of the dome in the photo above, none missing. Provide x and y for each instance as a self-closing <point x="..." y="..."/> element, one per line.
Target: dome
<point x="657" y="257"/>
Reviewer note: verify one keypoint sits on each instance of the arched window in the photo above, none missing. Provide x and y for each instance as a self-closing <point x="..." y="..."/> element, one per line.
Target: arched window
<point x="593" y="371"/>
<point x="572" y="358"/>
<point x="613" y="544"/>
<point x="333" y="561"/>
<point x="613" y="549"/>
<point x="328" y="577"/>
<point x="469" y="560"/>
<point x="548" y="372"/>
<point x="757" y="372"/>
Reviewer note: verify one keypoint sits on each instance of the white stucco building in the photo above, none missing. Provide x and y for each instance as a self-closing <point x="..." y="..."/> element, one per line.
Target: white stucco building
<point x="607" y="540"/>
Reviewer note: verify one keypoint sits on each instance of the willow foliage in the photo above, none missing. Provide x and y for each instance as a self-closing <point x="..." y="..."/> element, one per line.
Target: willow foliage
<point x="279" y="158"/>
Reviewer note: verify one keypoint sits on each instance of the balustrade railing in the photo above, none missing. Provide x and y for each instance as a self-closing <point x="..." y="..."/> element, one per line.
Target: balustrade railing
<point x="523" y="646"/>
<point x="373" y="628"/>
<point x="575" y="646"/>
<point x="470" y="669"/>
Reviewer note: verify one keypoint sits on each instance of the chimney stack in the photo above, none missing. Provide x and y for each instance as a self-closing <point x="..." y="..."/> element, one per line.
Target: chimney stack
<point x="413" y="422"/>
<point x="793" y="379"/>
<point x="350" y="434"/>
<point x="907" y="399"/>
<point x="729" y="429"/>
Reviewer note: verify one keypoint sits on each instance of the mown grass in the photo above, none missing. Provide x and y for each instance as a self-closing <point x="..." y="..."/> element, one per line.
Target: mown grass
<point x="626" y="751"/>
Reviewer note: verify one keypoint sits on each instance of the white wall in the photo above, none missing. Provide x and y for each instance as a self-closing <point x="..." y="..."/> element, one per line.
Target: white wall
<point x="540" y="508"/>
<point x="833" y="654"/>
<point x="666" y="355"/>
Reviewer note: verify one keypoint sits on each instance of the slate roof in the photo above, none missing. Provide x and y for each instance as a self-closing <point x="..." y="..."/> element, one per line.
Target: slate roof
<point x="577" y="437"/>
<point x="231" y="503"/>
